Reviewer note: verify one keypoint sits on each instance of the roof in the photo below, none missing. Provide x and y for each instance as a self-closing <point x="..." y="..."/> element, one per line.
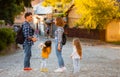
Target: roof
<point x="39" y="9"/>
<point x="70" y="8"/>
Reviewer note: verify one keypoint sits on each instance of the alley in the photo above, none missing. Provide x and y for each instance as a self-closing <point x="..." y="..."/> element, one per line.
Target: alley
<point x="99" y="60"/>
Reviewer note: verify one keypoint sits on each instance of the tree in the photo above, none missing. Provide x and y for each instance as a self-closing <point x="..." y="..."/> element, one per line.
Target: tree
<point x="58" y="5"/>
<point x="12" y="8"/>
<point x="97" y="13"/>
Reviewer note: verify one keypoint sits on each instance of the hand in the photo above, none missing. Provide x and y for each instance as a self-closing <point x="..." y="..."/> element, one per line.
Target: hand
<point x="59" y="48"/>
<point x="80" y="58"/>
<point x="29" y="37"/>
<point x="42" y="45"/>
<point x="34" y="39"/>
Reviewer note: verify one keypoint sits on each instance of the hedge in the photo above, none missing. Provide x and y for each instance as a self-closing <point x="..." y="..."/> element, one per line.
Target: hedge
<point x="7" y="36"/>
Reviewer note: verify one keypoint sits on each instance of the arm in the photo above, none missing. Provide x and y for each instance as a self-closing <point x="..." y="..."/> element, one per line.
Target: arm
<point x="49" y="50"/>
<point x="60" y="32"/>
<point x="41" y="45"/>
<point x="72" y="54"/>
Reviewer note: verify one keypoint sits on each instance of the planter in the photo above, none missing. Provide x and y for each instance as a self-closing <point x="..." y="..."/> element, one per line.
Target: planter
<point x="10" y="49"/>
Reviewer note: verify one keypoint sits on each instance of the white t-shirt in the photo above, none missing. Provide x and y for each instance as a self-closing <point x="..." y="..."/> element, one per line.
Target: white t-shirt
<point x="75" y="54"/>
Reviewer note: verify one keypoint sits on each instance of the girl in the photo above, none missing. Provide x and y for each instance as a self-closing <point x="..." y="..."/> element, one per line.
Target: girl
<point x="76" y="54"/>
<point x="46" y="50"/>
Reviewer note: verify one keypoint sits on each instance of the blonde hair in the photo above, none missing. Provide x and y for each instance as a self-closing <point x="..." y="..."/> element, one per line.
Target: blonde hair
<point x="59" y="21"/>
<point x="76" y="43"/>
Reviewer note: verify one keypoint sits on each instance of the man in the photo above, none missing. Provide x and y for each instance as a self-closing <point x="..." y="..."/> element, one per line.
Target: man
<point x="28" y="34"/>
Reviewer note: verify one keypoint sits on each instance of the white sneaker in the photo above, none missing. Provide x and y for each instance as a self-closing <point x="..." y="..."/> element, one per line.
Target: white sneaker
<point x="58" y="70"/>
<point x="64" y="68"/>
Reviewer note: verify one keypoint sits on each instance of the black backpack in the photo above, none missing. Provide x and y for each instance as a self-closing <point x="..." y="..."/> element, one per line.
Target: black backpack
<point x="64" y="38"/>
<point x="20" y="36"/>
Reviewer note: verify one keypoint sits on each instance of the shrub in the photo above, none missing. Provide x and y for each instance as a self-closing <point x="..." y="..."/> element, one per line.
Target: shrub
<point x="7" y="37"/>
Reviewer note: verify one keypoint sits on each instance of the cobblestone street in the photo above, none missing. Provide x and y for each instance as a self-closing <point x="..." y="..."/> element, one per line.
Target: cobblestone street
<point x="99" y="60"/>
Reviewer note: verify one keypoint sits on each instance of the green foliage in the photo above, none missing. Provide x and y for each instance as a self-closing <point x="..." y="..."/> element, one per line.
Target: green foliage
<point x="2" y="22"/>
<point x="59" y="5"/>
<point x="27" y="3"/>
<point x="116" y="42"/>
<point x="12" y="8"/>
<point x="60" y="15"/>
<point x="97" y="13"/>
<point x="7" y="37"/>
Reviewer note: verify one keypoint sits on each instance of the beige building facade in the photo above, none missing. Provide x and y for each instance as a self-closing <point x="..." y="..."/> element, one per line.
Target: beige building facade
<point x="73" y="17"/>
<point x="113" y="31"/>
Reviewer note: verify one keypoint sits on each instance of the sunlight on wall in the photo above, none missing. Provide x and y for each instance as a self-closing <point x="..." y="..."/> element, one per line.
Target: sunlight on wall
<point x="119" y="28"/>
<point x="113" y="31"/>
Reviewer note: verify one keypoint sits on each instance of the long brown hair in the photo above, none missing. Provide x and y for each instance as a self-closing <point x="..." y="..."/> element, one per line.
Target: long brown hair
<point x="76" y="43"/>
<point x="59" y="21"/>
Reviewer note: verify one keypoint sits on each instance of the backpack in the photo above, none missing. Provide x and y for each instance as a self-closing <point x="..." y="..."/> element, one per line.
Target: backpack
<point x="20" y="36"/>
<point x="64" y="38"/>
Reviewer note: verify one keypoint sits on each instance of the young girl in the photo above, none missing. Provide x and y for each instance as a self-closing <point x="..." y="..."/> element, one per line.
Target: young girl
<point x="46" y="50"/>
<point x="76" y="55"/>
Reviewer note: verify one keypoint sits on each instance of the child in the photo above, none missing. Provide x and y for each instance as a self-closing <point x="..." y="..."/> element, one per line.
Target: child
<point x="46" y="50"/>
<point x="76" y="54"/>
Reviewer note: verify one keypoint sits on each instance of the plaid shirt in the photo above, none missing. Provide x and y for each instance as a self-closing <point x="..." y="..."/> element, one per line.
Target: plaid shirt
<point x="58" y="34"/>
<point x="27" y="31"/>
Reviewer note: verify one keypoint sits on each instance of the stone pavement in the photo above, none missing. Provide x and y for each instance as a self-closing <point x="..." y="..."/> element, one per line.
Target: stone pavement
<point x="99" y="60"/>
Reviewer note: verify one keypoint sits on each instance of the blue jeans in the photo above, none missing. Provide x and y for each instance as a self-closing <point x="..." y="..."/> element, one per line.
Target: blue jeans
<point x="59" y="55"/>
<point x="27" y="55"/>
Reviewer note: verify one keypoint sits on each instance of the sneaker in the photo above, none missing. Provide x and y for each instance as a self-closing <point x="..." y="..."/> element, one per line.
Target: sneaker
<point x="64" y="68"/>
<point x="58" y="70"/>
<point x="41" y="70"/>
<point x="45" y="70"/>
<point x="27" y="69"/>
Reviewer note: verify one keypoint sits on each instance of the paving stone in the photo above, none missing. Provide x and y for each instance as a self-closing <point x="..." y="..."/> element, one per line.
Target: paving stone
<point x="99" y="60"/>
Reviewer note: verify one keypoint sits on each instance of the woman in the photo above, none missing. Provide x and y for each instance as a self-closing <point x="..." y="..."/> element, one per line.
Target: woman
<point x="58" y="43"/>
